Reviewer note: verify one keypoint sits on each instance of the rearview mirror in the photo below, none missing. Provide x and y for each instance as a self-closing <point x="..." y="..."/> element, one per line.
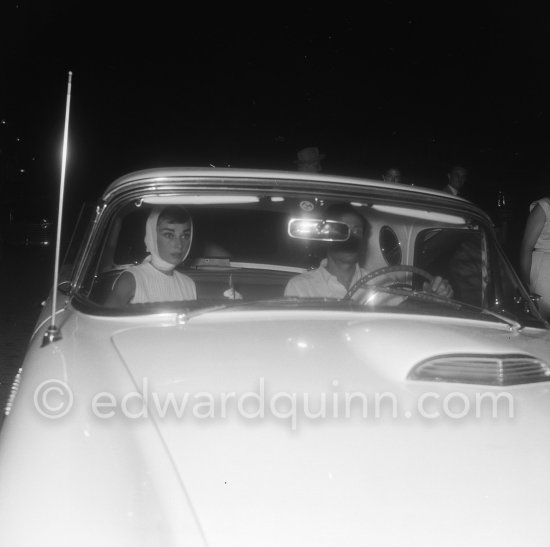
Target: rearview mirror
<point x="318" y="230"/>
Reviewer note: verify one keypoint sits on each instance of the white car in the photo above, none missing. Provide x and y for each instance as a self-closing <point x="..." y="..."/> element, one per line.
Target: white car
<point x="248" y="414"/>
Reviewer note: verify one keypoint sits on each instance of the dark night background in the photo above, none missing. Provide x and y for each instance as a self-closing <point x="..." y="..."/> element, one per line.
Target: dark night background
<point x="418" y="87"/>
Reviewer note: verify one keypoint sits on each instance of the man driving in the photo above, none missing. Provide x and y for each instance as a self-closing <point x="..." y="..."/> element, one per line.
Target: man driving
<point x="340" y="270"/>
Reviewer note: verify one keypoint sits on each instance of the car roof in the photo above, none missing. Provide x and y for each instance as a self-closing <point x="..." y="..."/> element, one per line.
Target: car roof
<point x="170" y="178"/>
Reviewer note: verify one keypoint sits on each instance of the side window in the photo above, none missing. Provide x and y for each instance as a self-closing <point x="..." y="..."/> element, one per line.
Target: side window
<point x="78" y="238"/>
<point x="130" y="245"/>
<point x="390" y="246"/>
<point x="458" y="256"/>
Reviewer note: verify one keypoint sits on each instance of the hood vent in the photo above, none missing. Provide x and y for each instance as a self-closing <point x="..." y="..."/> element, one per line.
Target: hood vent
<point x="492" y="370"/>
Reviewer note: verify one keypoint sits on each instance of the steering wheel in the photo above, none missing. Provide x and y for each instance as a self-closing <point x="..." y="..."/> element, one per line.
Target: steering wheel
<point x="383" y="271"/>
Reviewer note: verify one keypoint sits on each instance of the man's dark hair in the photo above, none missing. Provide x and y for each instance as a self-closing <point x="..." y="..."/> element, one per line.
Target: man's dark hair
<point x="336" y="211"/>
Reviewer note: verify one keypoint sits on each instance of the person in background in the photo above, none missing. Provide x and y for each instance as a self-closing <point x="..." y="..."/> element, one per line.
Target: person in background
<point x="310" y="160"/>
<point x="392" y="175"/>
<point x="535" y="253"/>
<point x="457" y="179"/>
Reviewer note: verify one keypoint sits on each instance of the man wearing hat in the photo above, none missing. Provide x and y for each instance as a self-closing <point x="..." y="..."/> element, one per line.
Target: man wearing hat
<point x="309" y="159"/>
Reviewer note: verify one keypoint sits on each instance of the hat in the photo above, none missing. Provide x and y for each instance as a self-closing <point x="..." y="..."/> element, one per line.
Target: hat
<point x="309" y="155"/>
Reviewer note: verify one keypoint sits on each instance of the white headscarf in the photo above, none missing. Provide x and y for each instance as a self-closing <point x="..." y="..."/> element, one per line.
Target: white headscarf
<point x="151" y="244"/>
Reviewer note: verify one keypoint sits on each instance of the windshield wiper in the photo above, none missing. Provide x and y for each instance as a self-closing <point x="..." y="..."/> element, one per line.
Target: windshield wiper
<point x="229" y="305"/>
<point x="184" y="317"/>
<point x="514" y="325"/>
<point x="457" y="304"/>
<point x="288" y="301"/>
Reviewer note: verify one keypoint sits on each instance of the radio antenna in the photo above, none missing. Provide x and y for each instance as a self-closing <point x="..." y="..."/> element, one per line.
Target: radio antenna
<point x="53" y="333"/>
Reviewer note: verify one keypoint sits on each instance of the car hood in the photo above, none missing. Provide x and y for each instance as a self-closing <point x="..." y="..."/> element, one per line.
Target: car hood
<point x="251" y="409"/>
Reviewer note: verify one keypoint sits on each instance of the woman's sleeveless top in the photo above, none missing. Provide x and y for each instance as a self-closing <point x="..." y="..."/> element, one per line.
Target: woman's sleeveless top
<point x="155" y="286"/>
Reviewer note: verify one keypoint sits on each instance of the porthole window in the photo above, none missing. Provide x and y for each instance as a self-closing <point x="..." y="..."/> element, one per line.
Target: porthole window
<point x="390" y="246"/>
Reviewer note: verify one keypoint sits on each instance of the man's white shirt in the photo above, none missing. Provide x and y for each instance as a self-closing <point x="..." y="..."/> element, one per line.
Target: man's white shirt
<point x="320" y="283"/>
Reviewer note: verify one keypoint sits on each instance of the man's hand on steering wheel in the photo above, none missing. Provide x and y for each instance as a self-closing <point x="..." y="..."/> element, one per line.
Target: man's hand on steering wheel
<point x="435" y="285"/>
<point x="439" y="286"/>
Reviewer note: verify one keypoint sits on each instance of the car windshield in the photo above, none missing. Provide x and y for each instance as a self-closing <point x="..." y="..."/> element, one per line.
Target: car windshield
<point x="265" y="249"/>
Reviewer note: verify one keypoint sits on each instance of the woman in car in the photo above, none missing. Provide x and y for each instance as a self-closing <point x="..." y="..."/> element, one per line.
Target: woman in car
<point x="168" y="236"/>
